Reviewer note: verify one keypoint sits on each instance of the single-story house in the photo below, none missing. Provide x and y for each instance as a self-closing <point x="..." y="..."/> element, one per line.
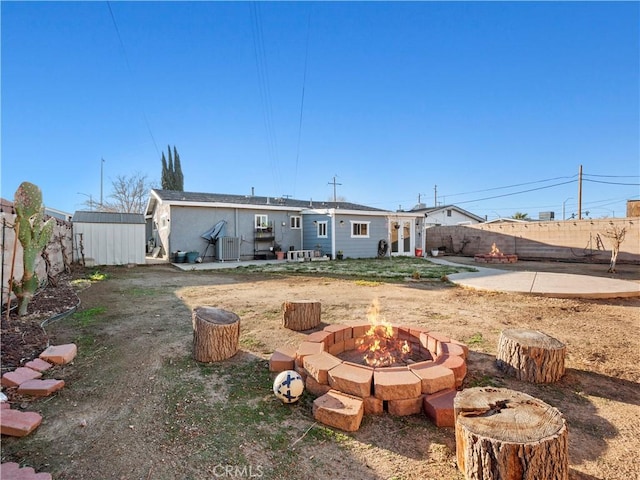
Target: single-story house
<point x="109" y="238"/>
<point x="446" y="215"/>
<point x="252" y="227"/>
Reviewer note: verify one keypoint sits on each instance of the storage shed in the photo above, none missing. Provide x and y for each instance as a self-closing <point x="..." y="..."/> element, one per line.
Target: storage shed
<point x="107" y="238"/>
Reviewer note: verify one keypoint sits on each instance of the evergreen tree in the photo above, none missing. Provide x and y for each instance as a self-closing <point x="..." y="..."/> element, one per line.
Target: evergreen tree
<point x="172" y="178"/>
<point x="179" y="178"/>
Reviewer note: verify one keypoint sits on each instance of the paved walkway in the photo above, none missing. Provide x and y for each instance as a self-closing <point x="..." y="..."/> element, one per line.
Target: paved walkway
<point x="559" y="285"/>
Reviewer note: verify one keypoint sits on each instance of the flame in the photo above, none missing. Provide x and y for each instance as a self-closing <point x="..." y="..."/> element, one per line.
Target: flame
<point x="380" y="347"/>
<point x="495" y="250"/>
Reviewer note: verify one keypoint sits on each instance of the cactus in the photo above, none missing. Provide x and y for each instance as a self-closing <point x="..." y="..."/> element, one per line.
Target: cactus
<point x="34" y="234"/>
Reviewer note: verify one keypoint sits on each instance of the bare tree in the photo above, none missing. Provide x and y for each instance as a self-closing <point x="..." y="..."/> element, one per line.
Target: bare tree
<point x="616" y="235"/>
<point x="129" y="195"/>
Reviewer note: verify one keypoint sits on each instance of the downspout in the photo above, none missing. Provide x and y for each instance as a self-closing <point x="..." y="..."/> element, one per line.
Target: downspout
<point x="333" y="235"/>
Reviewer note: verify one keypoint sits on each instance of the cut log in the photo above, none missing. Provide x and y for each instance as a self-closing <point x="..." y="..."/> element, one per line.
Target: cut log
<point x="531" y="356"/>
<point x="502" y="434"/>
<point x="215" y="334"/>
<point x="301" y="315"/>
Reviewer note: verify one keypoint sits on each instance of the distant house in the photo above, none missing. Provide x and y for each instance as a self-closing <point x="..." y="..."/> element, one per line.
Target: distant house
<point x="107" y="238"/>
<point x="446" y="215"/>
<point x="252" y="227"/>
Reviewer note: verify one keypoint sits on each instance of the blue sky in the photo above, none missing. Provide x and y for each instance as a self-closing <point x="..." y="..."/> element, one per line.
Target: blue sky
<point x="393" y="98"/>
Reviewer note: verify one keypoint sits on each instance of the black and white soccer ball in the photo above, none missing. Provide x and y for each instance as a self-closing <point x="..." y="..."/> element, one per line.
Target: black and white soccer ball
<point x="288" y="386"/>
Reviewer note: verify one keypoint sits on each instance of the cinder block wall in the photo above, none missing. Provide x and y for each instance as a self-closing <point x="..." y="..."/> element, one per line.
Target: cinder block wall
<point x="570" y="240"/>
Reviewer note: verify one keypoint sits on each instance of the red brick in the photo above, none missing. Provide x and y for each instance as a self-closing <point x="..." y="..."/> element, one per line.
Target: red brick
<point x="12" y="471"/>
<point x="373" y="406"/>
<point x="404" y="333"/>
<point x="4" y="405"/>
<point x="340" y="332"/>
<point x="303" y="373"/>
<point x="457" y="365"/>
<point x="464" y="346"/>
<point x="282" y="359"/>
<point x="40" y="388"/>
<point x="305" y="349"/>
<point x="434" y="338"/>
<point x="352" y="379"/>
<point x="434" y="377"/>
<point x="439" y="407"/>
<point x="349" y="344"/>
<point x="60" y="354"/>
<point x="337" y="348"/>
<point x="424" y="340"/>
<point x="396" y="383"/>
<point x="314" y="388"/>
<point x="17" y="423"/>
<point x="19" y="376"/>
<point x="360" y="330"/>
<point x="406" y="406"/>
<point x="318" y="366"/>
<point x="38" y="365"/>
<point x="416" y="331"/>
<point x="450" y="348"/>
<point x="321" y="337"/>
<point x="339" y="410"/>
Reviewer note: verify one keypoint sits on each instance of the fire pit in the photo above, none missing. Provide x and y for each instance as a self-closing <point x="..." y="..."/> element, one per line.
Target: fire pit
<point x="495" y="256"/>
<point x="377" y="367"/>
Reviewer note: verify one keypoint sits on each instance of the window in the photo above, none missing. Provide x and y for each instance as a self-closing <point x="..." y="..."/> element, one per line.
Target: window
<point x="449" y="213"/>
<point x="360" y="229"/>
<point x="294" y="222"/>
<point x="322" y="229"/>
<point x="261" y="221"/>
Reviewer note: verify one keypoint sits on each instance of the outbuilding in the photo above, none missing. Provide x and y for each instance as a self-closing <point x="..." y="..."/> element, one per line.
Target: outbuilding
<point x="109" y="238"/>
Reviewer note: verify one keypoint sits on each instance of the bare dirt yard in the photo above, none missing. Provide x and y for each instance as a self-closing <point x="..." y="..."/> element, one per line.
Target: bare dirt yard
<point x="137" y="406"/>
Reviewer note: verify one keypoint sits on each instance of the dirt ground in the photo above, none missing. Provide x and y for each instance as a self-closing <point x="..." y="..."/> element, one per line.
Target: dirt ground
<point x="110" y="420"/>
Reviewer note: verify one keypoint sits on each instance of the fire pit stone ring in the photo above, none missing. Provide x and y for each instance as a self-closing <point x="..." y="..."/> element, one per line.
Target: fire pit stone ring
<point x="326" y="361"/>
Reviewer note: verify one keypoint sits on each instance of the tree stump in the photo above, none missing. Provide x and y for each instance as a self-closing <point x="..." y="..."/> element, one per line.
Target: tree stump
<point x="301" y="315"/>
<point x="215" y="334"/>
<point x="502" y="434"/>
<point x="531" y="356"/>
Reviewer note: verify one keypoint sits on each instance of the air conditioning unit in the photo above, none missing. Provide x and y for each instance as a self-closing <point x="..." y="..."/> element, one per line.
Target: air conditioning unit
<point x="228" y="248"/>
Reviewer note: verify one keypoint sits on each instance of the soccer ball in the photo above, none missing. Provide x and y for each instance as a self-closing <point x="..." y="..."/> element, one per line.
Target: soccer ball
<point x="288" y="386"/>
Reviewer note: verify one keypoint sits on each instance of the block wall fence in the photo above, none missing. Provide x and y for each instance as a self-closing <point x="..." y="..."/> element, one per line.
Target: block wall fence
<point x="568" y="240"/>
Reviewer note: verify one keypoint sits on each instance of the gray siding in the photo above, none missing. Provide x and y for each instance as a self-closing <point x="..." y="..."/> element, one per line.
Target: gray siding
<point x="360" y="247"/>
<point x="311" y="241"/>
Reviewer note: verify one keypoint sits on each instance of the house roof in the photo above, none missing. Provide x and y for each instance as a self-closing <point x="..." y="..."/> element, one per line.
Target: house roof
<point x="419" y="209"/>
<point x="107" y="217"/>
<point x="177" y="197"/>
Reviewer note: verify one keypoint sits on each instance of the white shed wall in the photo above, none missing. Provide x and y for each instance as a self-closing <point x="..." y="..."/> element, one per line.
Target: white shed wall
<point x="111" y="244"/>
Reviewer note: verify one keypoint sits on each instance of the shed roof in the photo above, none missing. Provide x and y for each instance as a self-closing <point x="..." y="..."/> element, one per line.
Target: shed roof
<point x="108" y="217"/>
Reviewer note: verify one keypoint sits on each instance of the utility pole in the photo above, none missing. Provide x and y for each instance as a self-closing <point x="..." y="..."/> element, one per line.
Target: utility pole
<point x="435" y="195"/>
<point x="334" y="183"/>
<point x="580" y="193"/>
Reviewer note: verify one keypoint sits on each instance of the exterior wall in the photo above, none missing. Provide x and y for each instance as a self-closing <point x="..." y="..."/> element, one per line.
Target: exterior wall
<point x="360" y="247"/>
<point x="310" y="240"/>
<point x="110" y="243"/>
<point x="59" y="251"/>
<point x="440" y="218"/>
<point x="571" y="240"/>
<point x="188" y="223"/>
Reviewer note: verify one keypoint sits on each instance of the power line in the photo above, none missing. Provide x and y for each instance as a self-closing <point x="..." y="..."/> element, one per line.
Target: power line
<point x="511" y="186"/>
<point x="611" y="176"/>
<point x="517" y="193"/>
<point x="611" y="183"/>
<point x="130" y="71"/>
<point x="304" y="82"/>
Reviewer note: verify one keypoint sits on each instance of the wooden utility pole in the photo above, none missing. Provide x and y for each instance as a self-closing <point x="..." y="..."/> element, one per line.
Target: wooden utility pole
<point x="334" y="183"/>
<point x="435" y="195"/>
<point x="580" y="193"/>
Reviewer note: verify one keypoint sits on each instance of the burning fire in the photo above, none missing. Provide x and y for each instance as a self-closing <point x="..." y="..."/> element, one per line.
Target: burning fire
<point x="495" y="250"/>
<point x="380" y="347"/>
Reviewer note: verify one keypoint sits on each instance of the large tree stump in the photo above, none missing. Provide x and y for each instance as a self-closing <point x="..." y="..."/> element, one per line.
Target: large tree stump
<point x="531" y="356"/>
<point x="502" y="434"/>
<point x="215" y="334"/>
<point x="301" y="315"/>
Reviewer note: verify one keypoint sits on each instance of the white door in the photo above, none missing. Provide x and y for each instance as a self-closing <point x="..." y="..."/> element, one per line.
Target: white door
<point x="401" y="237"/>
